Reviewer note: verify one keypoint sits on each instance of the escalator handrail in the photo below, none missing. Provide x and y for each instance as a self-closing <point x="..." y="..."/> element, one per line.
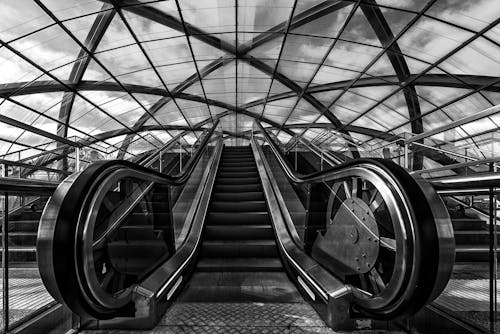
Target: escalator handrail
<point x="476" y="181"/>
<point x="69" y="208"/>
<point x="427" y="218"/>
<point x="325" y="175"/>
<point x="153" y="177"/>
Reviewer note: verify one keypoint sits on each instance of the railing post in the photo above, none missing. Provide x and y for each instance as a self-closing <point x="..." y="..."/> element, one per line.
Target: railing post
<point x="406" y="156"/>
<point x="161" y="161"/>
<point x="493" y="258"/>
<point x="77" y="159"/>
<point x="295" y="157"/>
<point x="5" y="256"/>
<point x="180" y="156"/>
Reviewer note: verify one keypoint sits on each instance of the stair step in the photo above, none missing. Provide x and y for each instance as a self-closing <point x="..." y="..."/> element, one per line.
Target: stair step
<point x="237" y="164"/>
<point x="464" y="224"/>
<point x="240" y="264"/>
<point x="136" y="232"/>
<point x="29" y="215"/>
<point x="236" y="188"/>
<point x="21" y="253"/>
<point x="478" y="237"/>
<point x="146" y="218"/>
<point x="471" y="253"/>
<point x="136" y="248"/>
<point x="230" y="169"/>
<point x="237" y="181"/>
<point x="239" y="248"/>
<point x="238" y="174"/>
<point x="237" y="197"/>
<point x="235" y="218"/>
<point x="236" y="232"/>
<point x="21" y="238"/>
<point x="240" y="207"/>
<point x="237" y="158"/>
<point x="24" y="226"/>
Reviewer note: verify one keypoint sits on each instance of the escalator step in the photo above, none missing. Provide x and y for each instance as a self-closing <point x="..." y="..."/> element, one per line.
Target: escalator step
<point x="247" y="206"/>
<point x="237" y="181"/>
<point x="240" y="264"/>
<point x="237" y="158"/>
<point x="239" y="248"/>
<point x="249" y="169"/>
<point x="235" y="218"/>
<point x="238" y="197"/>
<point x="236" y="188"/>
<point x="238" y="174"/>
<point x="224" y="164"/>
<point x="236" y="232"/>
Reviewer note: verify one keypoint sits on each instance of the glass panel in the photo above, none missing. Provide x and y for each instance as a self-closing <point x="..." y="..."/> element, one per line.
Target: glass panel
<point x="474" y="16"/>
<point x="477" y="58"/>
<point x="27" y="294"/>
<point x="49" y="48"/>
<point x="327" y="25"/>
<point x="429" y="39"/>
<point x="467" y="295"/>
<point x="18" y="18"/>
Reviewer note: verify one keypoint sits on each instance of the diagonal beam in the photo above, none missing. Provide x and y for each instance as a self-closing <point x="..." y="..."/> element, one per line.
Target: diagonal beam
<point x="383" y="31"/>
<point x="92" y="40"/>
<point x="172" y="22"/>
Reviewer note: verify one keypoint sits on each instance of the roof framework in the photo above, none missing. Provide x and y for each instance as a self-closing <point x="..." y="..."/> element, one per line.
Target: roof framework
<point x="118" y="72"/>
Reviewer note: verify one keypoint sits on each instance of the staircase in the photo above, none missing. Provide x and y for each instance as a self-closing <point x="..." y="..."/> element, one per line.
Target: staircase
<point x="472" y="239"/>
<point x="23" y="228"/>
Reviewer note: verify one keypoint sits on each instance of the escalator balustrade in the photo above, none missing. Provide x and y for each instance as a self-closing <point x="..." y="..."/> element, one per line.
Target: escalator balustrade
<point x="381" y="227"/>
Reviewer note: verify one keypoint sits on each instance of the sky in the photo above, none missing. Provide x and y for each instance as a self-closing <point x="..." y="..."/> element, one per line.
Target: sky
<point x="340" y="47"/>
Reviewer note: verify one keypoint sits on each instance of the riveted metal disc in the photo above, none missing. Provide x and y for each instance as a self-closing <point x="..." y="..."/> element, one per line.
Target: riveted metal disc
<point x="351" y="242"/>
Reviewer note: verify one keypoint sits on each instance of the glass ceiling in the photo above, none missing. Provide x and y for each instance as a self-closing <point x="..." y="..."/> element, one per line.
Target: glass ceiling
<point x="129" y="75"/>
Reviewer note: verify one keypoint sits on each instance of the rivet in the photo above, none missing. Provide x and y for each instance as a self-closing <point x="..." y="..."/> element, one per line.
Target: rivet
<point x="358" y="268"/>
<point x="363" y="255"/>
<point x="369" y="238"/>
<point x="356" y="259"/>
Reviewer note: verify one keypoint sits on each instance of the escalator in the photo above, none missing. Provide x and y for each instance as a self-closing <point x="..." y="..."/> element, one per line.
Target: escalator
<point x="239" y="281"/>
<point x="114" y="251"/>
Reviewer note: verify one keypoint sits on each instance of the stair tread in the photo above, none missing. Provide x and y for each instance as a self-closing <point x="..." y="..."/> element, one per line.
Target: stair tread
<point x="472" y="248"/>
<point x="264" y="242"/>
<point x="21" y="249"/>
<point x="246" y="261"/>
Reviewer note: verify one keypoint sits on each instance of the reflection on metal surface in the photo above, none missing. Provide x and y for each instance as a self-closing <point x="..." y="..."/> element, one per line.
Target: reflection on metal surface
<point x="351" y="242"/>
<point x="116" y="218"/>
<point x="403" y="216"/>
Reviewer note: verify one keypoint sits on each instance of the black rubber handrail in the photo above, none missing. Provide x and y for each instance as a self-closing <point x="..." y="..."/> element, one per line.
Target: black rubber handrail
<point x="427" y="221"/>
<point x="64" y="218"/>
